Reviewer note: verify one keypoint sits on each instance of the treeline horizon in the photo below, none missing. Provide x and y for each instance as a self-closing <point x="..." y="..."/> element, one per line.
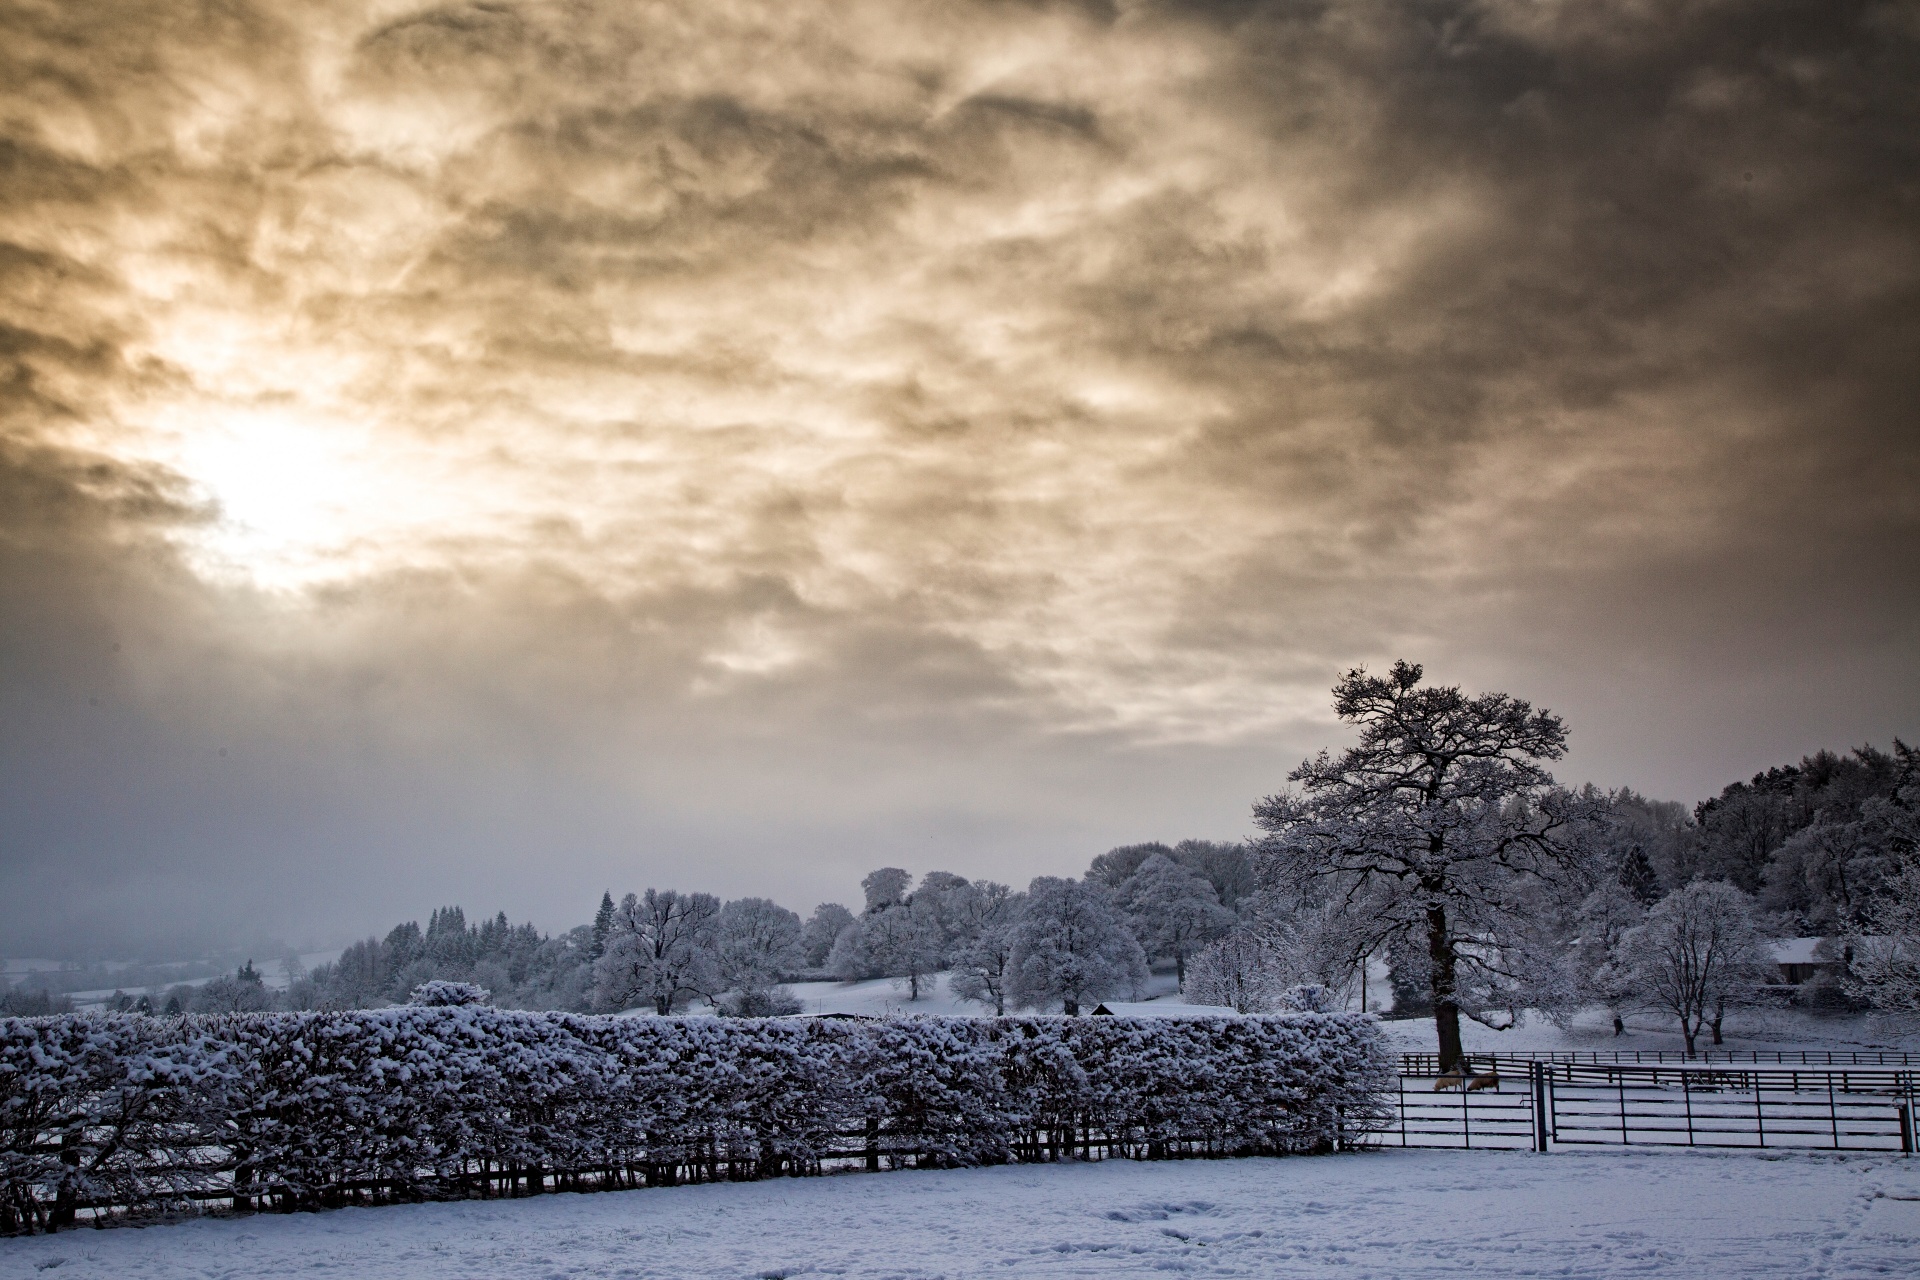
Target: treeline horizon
<point x="1791" y="836"/>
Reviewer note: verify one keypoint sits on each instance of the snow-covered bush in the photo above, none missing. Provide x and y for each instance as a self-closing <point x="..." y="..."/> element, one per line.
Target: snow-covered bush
<point x="760" y="1002"/>
<point x="308" y="1109"/>
<point x="440" y="993"/>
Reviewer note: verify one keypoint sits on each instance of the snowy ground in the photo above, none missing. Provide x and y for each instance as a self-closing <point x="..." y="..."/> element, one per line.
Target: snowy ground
<point x="1593" y="1029"/>
<point x="889" y="996"/>
<point x="1377" y="1214"/>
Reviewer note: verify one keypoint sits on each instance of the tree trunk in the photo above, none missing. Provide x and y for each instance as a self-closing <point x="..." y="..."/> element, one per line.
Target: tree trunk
<point x="1715" y="1024"/>
<point x="663" y="1005"/>
<point x="1619" y="1026"/>
<point x="1686" y="1030"/>
<point x="64" y="1200"/>
<point x="242" y="1177"/>
<point x="1180" y="968"/>
<point x="1446" y="1013"/>
<point x="1070" y="1007"/>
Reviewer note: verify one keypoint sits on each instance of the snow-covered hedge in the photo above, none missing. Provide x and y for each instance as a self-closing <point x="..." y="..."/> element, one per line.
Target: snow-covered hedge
<point x="307" y="1109"/>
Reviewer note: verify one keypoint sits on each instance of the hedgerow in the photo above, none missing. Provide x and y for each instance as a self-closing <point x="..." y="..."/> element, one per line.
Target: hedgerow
<point x="307" y="1110"/>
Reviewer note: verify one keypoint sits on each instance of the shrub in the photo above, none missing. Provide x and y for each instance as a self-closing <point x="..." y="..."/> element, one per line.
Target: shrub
<point x="295" y="1110"/>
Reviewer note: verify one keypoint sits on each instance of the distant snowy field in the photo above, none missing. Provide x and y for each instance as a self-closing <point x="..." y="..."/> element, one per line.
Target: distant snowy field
<point x="1765" y="1030"/>
<point x="1379" y="1214"/>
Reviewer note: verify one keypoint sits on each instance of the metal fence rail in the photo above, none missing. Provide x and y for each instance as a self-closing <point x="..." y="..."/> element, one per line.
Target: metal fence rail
<point x="1849" y="1079"/>
<point x="1521" y="1103"/>
<point x="1417" y="1064"/>
<point x="1680" y="1115"/>
<point x="1497" y="1118"/>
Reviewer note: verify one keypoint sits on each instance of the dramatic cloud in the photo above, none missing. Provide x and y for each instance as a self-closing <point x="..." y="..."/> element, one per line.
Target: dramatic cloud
<point x="485" y="452"/>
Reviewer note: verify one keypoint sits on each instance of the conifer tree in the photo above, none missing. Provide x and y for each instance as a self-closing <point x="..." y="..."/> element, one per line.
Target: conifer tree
<point x="602" y="926"/>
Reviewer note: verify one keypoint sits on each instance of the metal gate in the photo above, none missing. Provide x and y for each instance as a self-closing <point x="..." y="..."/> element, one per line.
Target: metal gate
<point x="1517" y="1103"/>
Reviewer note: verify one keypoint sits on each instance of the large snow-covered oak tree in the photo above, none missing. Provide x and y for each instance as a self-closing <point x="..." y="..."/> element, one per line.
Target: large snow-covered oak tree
<point x="660" y="952"/>
<point x="1427" y="826"/>
<point x="1072" y="946"/>
<point x="1174" y="911"/>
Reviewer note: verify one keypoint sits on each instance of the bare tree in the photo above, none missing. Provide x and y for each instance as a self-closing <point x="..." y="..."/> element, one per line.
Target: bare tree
<point x="660" y="952"/>
<point x="1316" y="943"/>
<point x="895" y="941"/>
<point x="757" y="943"/>
<point x="1698" y="951"/>
<point x="1886" y="966"/>
<point x="1425" y="824"/>
<point x="1604" y="919"/>
<point x="824" y="927"/>
<point x="1284" y="942"/>
<point x="982" y="963"/>
<point x="942" y="901"/>
<point x="1240" y="971"/>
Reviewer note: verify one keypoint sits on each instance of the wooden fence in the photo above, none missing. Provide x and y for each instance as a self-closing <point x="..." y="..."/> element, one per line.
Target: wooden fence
<point x="872" y="1148"/>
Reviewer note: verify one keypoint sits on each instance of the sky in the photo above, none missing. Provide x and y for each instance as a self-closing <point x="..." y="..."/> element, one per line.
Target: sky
<point x="493" y="453"/>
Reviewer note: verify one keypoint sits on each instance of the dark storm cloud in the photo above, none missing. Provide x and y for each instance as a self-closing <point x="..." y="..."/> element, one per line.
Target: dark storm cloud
<point x="543" y="444"/>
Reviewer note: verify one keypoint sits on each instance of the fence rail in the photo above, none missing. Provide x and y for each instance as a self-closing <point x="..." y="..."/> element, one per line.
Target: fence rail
<point x="1416" y="1064"/>
<point x="1493" y="1119"/>
<point x="1521" y="1103"/>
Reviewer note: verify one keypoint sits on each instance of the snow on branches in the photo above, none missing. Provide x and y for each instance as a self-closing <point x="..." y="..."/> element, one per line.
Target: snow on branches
<point x="1431" y="828"/>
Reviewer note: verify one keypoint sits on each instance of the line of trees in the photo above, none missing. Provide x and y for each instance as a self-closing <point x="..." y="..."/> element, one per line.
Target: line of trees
<point x="1061" y="944"/>
<point x="1439" y="841"/>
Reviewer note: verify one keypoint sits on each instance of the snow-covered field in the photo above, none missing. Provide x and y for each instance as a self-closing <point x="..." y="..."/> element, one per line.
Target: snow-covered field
<point x="884" y="997"/>
<point x="1765" y="1029"/>
<point x="1377" y="1214"/>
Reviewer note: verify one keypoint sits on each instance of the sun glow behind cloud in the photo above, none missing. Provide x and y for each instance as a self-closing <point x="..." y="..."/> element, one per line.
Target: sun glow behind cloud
<point x="784" y="424"/>
<point x="902" y="409"/>
<point x="298" y="502"/>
